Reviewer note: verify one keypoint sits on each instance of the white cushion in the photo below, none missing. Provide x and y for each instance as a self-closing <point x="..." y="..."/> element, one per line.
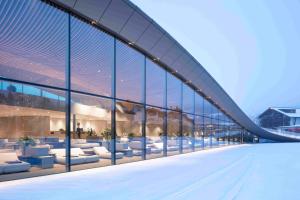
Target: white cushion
<point x="154" y="150"/>
<point x="76" y="152"/>
<point x="78" y="141"/>
<point x="58" y="152"/>
<point x="172" y="143"/>
<point x="16" y="167"/>
<point x="158" y="145"/>
<point x="135" y="145"/>
<point x="79" y="156"/>
<point x="10" y="156"/>
<point x="121" y="146"/>
<point x="85" y="145"/>
<point x="3" y="141"/>
<point x="104" y="153"/>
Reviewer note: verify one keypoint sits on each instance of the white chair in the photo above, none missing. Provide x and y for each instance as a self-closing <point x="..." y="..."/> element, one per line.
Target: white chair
<point x="104" y="153"/>
<point x="9" y="163"/>
<point x="81" y="143"/>
<point x="77" y="156"/>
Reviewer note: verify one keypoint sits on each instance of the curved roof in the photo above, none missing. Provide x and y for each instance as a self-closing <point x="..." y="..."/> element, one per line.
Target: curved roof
<point x="130" y="24"/>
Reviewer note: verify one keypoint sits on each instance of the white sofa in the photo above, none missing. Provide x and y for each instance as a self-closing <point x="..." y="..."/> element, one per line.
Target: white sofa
<point x="77" y="156"/>
<point x="186" y="144"/>
<point x="172" y="145"/>
<point x="124" y="148"/>
<point x="9" y="163"/>
<point x="150" y="148"/>
<point x="81" y="143"/>
<point x="102" y="152"/>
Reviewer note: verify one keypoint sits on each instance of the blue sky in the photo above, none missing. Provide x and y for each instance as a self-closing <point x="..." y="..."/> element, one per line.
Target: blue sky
<point x="250" y="47"/>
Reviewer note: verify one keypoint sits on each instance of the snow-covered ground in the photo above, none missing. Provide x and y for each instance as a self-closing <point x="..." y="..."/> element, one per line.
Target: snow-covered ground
<point x="260" y="171"/>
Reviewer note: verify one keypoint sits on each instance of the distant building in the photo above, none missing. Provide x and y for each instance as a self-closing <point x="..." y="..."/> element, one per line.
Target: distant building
<point x="287" y="119"/>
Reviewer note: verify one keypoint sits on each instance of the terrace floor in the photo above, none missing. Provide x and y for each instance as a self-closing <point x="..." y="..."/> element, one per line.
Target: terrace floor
<point x="259" y="171"/>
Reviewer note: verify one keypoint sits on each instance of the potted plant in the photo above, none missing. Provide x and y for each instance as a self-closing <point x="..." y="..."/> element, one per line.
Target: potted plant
<point x="131" y="136"/>
<point x="106" y="134"/>
<point x="92" y="136"/>
<point x="25" y="142"/>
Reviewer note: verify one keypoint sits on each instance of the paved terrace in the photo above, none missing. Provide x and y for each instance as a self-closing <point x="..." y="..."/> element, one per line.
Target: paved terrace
<point x="259" y="171"/>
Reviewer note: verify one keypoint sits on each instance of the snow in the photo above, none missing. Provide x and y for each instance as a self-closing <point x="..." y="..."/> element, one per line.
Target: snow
<point x="258" y="171"/>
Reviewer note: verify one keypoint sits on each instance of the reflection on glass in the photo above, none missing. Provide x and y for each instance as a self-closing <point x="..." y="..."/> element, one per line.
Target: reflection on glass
<point x="129" y="73"/>
<point x="222" y="133"/>
<point x="207" y="108"/>
<point x="187" y="132"/>
<point x="155" y="84"/>
<point x="90" y="132"/>
<point x="154" y="132"/>
<point x="188" y="99"/>
<point x="31" y="126"/>
<point x="198" y="104"/>
<point x="91" y="59"/>
<point x="207" y="132"/>
<point x="173" y="92"/>
<point x="214" y="132"/>
<point x="129" y="140"/>
<point x="33" y="42"/>
<point x="173" y="132"/>
<point x="199" y="133"/>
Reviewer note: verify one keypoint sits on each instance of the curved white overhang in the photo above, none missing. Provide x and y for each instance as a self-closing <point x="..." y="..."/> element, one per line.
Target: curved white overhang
<point x="130" y="24"/>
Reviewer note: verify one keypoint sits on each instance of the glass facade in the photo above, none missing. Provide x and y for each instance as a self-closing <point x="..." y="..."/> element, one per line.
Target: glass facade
<point x="74" y="97"/>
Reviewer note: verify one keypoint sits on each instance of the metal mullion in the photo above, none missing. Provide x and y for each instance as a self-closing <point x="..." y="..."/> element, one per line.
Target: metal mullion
<point x="165" y="119"/>
<point x="113" y="109"/>
<point x="193" y="121"/>
<point x="203" y="126"/>
<point x="144" y="116"/>
<point x="181" y="118"/>
<point x="68" y="98"/>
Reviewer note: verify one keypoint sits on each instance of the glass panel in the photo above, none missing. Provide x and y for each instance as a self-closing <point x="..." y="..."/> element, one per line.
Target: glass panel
<point x="173" y="132"/>
<point x="129" y="131"/>
<point x="207" y="131"/>
<point x="173" y="92"/>
<point x="155" y="84"/>
<point x="33" y="42"/>
<point x="154" y="132"/>
<point x="188" y="99"/>
<point x="129" y="75"/>
<point x="92" y="57"/>
<point x="199" y="133"/>
<point x="214" y="112"/>
<point x="187" y="132"/>
<point x="198" y="104"/>
<point x="90" y="131"/>
<point x="31" y="127"/>
<point x="222" y="133"/>
<point x="207" y="108"/>
<point x="214" y="132"/>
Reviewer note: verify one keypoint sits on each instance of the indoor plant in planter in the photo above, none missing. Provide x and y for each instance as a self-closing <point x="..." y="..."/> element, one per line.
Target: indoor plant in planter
<point x="106" y="134"/>
<point x="26" y="142"/>
<point x="131" y="136"/>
